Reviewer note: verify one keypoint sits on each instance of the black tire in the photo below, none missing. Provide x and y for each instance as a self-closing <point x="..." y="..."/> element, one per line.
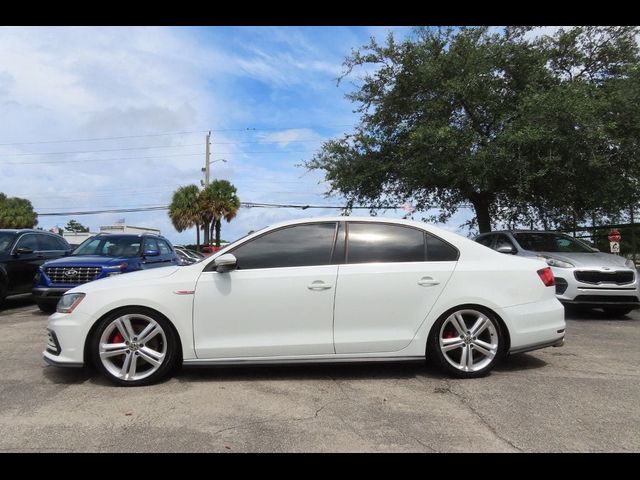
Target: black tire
<point x="437" y="356"/>
<point x="617" y="311"/>
<point x="171" y="354"/>
<point x="47" y="307"/>
<point x="3" y="292"/>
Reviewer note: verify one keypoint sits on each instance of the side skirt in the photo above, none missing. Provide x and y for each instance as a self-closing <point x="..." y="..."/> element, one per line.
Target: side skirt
<point x="294" y="360"/>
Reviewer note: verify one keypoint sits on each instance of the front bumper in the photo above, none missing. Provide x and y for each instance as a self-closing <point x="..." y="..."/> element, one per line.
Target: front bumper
<point x="571" y="291"/>
<point x="48" y="294"/>
<point x="66" y="339"/>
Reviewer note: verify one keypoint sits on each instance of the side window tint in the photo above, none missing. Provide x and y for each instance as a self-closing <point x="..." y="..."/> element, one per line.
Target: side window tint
<point x="503" y="241"/>
<point x="48" y="242"/>
<point x="296" y="246"/>
<point x="150" y="244"/>
<point x="440" y="251"/>
<point x="164" y="248"/>
<point x="28" y="241"/>
<point x="486" y="240"/>
<point x="377" y="242"/>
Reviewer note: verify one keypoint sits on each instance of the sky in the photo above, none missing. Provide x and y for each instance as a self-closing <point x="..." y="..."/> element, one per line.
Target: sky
<point x="116" y="117"/>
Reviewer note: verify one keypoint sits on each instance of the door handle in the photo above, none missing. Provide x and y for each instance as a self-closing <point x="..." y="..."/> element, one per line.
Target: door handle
<point x="427" y="282"/>
<point x="318" y="285"/>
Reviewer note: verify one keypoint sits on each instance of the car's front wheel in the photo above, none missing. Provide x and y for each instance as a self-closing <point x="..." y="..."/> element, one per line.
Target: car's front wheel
<point x="134" y="347"/>
<point x="466" y="342"/>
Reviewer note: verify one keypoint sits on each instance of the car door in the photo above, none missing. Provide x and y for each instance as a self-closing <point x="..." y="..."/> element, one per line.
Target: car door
<point x="392" y="277"/>
<point x="166" y="254"/>
<point x="277" y="303"/>
<point x="52" y="247"/>
<point x="24" y="266"/>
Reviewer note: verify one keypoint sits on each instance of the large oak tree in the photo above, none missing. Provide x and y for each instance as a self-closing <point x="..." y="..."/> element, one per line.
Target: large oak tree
<point x="525" y="128"/>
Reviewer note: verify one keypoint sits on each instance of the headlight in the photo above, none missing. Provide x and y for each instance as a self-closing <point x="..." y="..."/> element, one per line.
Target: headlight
<point x="630" y="264"/>
<point x="554" y="262"/>
<point x="69" y="302"/>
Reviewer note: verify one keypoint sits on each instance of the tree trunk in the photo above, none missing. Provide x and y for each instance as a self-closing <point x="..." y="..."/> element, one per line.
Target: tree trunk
<point x="198" y="236"/>
<point x="205" y="231"/>
<point x="218" y="225"/>
<point x="481" y="203"/>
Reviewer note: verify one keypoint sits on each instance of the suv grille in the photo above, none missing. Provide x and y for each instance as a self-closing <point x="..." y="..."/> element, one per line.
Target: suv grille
<point x="72" y="275"/>
<point x="595" y="277"/>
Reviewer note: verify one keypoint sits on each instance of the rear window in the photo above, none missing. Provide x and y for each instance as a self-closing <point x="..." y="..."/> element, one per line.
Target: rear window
<point x="377" y="242"/>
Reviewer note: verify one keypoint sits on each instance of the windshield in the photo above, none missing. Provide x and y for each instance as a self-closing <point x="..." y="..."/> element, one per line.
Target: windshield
<point x="6" y="240"/>
<point x="551" y="242"/>
<point x="116" y="246"/>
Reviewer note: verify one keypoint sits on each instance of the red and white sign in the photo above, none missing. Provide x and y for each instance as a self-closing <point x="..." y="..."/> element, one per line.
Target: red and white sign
<point x="614" y="235"/>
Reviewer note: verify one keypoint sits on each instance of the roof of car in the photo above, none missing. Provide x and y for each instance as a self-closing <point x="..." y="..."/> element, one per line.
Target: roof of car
<point x="26" y="230"/>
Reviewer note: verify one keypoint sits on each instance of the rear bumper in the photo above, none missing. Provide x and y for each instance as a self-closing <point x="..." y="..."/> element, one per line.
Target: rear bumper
<point x="535" y="325"/>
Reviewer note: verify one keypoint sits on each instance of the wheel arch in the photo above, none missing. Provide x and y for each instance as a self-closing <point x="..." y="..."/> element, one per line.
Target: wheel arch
<point x="507" y="335"/>
<point x="87" y="341"/>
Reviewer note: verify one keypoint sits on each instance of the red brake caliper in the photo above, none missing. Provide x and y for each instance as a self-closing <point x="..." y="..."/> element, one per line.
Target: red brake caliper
<point x="449" y="334"/>
<point x="117" y="338"/>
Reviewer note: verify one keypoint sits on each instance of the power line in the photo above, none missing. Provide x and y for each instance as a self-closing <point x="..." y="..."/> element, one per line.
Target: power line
<point x="247" y="129"/>
<point x="96" y="151"/>
<point x="103" y="159"/>
<point x="100" y="138"/>
<point x="242" y="204"/>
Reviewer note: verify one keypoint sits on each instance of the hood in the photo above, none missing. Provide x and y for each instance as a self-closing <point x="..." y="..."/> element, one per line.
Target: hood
<point x="83" y="261"/>
<point x="595" y="259"/>
<point x="126" y="279"/>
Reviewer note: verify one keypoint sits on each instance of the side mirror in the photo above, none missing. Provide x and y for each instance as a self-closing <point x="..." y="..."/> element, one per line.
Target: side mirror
<point x="23" y="250"/>
<point x="226" y="263"/>
<point x="151" y="253"/>
<point x="506" y="249"/>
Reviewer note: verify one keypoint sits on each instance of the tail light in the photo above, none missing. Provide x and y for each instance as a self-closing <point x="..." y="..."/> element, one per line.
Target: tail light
<point x="546" y="275"/>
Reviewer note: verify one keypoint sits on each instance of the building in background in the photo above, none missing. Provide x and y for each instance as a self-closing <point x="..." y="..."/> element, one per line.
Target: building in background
<point x="76" y="238"/>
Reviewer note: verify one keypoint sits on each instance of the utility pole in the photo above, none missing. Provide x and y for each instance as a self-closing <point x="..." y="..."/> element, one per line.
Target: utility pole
<point x="207" y="162"/>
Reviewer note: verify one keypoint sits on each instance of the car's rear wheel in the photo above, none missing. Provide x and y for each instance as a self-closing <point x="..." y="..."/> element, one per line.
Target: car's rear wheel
<point x="617" y="311"/>
<point x="466" y="342"/>
<point x="134" y="347"/>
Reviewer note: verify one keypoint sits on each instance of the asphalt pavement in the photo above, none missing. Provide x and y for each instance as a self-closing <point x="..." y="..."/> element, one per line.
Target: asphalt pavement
<point x="583" y="397"/>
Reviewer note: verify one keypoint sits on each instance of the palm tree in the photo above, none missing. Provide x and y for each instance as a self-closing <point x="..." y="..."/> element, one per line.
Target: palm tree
<point x="218" y="200"/>
<point x="184" y="210"/>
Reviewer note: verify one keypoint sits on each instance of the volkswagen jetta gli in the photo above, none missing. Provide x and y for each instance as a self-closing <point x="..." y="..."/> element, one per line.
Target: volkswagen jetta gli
<point x="338" y="289"/>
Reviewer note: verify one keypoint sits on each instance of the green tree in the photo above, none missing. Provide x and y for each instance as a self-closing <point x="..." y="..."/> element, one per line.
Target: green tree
<point x="184" y="210"/>
<point x="75" y="226"/>
<point x="522" y="128"/>
<point x="219" y="200"/>
<point x="16" y="213"/>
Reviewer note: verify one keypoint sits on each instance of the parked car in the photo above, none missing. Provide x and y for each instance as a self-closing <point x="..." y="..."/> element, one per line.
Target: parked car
<point x="21" y="253"/>
<point x="101" y="256"/>
<point x="207" y="250"/>
<point x="584" y="276"/>
<point x="338" y="289"/>
<point x="186" y="256"/>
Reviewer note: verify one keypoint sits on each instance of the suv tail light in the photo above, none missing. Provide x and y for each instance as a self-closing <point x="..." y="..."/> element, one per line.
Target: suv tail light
<point x="546" y="275"/>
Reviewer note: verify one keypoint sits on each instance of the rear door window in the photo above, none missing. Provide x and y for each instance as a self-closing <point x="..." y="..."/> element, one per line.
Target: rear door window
<point x="386" y="243"/>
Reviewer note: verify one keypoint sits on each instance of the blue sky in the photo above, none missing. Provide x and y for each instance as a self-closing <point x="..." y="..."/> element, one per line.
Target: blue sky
<point x="268" y="94"/>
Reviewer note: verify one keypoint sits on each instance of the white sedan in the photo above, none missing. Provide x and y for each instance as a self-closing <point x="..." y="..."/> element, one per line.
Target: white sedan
<point x="338" y="289"/>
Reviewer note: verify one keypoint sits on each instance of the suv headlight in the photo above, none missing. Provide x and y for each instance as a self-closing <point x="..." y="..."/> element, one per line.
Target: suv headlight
<point x="554" y="262"/>
<point x="630" y="264"/>
<point x="69" y="302"/>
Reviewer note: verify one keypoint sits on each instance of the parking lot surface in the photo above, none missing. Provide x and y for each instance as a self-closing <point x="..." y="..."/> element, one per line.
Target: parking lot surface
<point x="583" y="397"/>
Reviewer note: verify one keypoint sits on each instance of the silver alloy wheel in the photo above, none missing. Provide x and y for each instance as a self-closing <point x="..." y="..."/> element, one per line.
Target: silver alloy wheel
<point x="132" y="347"/>
<point x="468" y="340"/>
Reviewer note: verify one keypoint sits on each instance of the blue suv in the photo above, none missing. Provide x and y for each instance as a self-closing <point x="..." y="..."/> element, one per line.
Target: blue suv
<point x="102" y="256"/>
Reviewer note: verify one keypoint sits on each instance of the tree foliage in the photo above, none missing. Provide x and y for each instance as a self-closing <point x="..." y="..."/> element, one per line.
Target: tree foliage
<point x="16" y="213"/>
<point x="218" y="201"/>
<point x="524" y="128"/>
<point x="192" y="207"/>
<point x="75" y="226"/>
